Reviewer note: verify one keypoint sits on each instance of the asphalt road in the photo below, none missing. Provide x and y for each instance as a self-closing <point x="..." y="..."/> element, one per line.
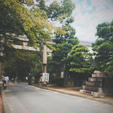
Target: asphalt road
<point x="22" y="98"/>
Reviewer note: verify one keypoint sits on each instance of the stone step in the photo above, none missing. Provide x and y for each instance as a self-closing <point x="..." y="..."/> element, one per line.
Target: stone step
<point x="92" y="79"/>
<point x="85" y="91"/>
<point x="89" y="88"/>
<point x="95" y="94"/>
<point x="97" y="75"/>
<point x="93" y="84"/>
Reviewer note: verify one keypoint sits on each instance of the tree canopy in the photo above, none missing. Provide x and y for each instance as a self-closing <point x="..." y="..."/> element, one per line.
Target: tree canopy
<point x="62" y="57"/>
<point x="103" y="47"/>
<point x="20" y="63"/>
<point x="22" y="17"/>
<point x="79" y="59"/>
<point x="60" y="12"/>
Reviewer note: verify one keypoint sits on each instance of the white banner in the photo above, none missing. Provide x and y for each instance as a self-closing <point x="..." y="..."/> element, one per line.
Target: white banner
<point x="45" y="77"/>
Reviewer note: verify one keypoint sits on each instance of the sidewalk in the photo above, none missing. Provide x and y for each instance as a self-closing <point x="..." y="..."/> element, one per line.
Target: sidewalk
<point x="70" y="91"/>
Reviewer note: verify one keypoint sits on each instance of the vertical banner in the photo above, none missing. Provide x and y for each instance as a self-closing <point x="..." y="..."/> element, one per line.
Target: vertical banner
<point x="45" y="77"/>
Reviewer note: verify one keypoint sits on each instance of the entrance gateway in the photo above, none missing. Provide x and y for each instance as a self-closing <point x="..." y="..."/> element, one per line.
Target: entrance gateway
<point x="24" y="46"/>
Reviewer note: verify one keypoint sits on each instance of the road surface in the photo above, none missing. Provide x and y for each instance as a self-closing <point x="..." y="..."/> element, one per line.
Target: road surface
<point x="22" y="98"/>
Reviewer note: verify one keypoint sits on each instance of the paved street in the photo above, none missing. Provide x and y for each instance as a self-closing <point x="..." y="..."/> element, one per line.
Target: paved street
<point x="22" y="98"/>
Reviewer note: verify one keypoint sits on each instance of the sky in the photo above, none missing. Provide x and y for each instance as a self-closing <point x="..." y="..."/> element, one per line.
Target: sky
<point x="88" y="14"/>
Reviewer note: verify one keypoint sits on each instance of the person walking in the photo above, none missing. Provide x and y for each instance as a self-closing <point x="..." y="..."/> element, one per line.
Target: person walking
<point x="5" y="80"/>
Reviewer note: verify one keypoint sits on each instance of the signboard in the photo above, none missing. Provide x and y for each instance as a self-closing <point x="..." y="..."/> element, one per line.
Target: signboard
<point x="45" y="77"/>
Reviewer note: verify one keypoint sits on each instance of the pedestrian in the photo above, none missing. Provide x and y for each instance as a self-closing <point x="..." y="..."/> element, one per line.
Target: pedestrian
<point x="3" y="82"/>
<point x="26" y="78"/>
<point x="7" y="80"/>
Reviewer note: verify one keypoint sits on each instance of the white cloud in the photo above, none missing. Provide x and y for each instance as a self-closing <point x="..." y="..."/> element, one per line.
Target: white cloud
<point x="88" y="14"/>
<point x="87" y="17"/>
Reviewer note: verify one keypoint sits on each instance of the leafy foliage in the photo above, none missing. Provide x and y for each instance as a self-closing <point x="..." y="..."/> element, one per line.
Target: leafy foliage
<point x="63" y="45"/>
<point x="20" y="64"/>
<point x="56" y="11"/>
<point x="68" y="55"/>
<point x="103" y="47"/>
<point x="16" y="17"/>
<point x="79" y="59"/>
<point x="22" y="17"/>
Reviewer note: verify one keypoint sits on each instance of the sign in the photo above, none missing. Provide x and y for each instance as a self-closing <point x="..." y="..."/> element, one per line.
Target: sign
<point x="45" y="77"/>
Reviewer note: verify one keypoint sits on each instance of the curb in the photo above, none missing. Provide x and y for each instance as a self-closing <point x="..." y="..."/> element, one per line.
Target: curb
<point x="83" y="96"/>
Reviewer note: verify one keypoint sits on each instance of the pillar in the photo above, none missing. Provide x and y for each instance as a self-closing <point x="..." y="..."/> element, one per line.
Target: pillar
<point x="44" y="67"/>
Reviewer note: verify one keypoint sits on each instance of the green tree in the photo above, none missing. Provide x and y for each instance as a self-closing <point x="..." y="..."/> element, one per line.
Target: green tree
<point x="63" y="42"/>
<point x="41" y="4"/>
<point x="103" y="47"/>
<point x="56" y="11"/>
<point x="21" y="17"/>
<point x="21" y="63"/>
<point x="79" y="59"/>
<point x="63" y="45"/>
